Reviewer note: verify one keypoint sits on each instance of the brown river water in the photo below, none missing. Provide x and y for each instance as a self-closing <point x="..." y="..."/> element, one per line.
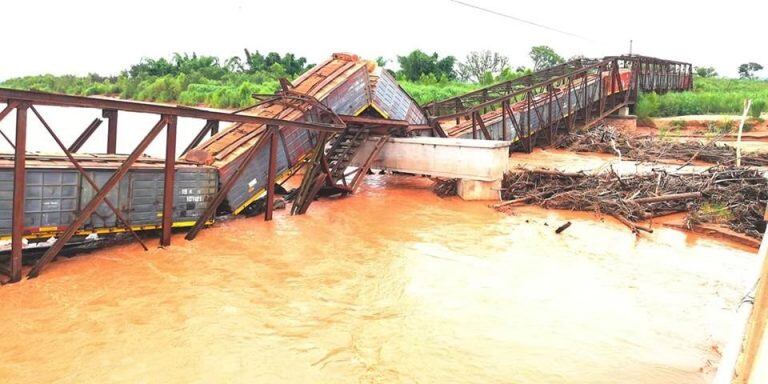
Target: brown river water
<point x="391" y="285"/>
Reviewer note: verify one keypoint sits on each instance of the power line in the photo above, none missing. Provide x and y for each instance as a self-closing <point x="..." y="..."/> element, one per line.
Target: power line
<point x="519" y="19"/>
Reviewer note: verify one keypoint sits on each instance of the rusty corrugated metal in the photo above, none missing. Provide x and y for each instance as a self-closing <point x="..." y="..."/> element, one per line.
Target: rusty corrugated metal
<point x="345" y="84"/>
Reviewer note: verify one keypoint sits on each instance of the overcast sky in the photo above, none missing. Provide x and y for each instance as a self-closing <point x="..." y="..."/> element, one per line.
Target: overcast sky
<point x="79" y="36"/>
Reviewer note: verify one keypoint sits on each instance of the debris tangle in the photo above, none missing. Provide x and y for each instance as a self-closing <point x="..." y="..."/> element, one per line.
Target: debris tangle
<point x="608" y="139"/>
<point x="445" y="187"/>
<point x="728" y="196"/>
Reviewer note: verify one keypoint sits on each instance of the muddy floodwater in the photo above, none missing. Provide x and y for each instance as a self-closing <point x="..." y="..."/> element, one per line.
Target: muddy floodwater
<point x="392" y="285"/>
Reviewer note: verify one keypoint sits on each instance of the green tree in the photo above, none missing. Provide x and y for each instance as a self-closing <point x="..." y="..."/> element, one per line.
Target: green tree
<point x="544" y="57"/>
<point x="418" y="63"/>
<point x="152" y="67"/>
<point x="256" y="62"/>
<point x="478" y="64"/>
<point x="577" y="57"/>
<point x="705" y="72"/>
<point x="747" y="70"/>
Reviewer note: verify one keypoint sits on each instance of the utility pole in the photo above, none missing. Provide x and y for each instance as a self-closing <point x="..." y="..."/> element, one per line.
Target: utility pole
<point x="630" y="47"/>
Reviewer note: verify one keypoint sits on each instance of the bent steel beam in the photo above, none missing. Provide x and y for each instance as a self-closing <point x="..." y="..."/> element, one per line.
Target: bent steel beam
<point x="210" y="126"/>
<point x="42" y="98"/>
<point x="225" y="187"/>
<point x="87" y="133"/>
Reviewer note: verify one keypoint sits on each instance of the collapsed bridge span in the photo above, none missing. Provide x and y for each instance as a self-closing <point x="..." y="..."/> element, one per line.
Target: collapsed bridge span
<point x="334" y="121"/>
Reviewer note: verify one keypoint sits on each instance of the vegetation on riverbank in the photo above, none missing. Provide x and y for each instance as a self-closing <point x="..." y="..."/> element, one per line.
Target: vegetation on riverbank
<point x="710" y="96"/>
<point x="190" y="79"/>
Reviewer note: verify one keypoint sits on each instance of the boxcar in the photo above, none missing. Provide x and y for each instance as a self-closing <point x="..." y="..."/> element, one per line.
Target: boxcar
<point x="55" y="192"/>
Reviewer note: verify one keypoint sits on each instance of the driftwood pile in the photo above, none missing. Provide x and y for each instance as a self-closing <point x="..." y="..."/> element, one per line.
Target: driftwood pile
<point x="445" y="187"/>
<point x="732" y="197"/>
<point x="607" y="139"/>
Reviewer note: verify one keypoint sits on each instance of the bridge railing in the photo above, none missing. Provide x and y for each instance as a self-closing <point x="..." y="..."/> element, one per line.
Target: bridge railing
<point x="567" y="95"/>
<point x="649" y="74"/>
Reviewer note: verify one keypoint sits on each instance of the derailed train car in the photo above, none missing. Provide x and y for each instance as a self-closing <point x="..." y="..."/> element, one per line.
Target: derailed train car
<point x="55" y="192"/>
<point x="344" y="84"/>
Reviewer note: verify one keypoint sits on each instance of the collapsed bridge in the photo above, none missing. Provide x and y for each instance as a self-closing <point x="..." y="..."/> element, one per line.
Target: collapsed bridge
<point x="333" y="122"/>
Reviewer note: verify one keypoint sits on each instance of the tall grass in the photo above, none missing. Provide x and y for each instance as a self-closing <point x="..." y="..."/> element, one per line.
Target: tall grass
<point x="425" y="93"/>
<point x="710" y="96"/>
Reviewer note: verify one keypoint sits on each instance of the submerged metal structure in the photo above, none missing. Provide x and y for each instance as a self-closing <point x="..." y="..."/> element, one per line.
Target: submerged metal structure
<point x="344" y="87"/>
<point x="319" y="121"/>
<point x="23" y="102"/>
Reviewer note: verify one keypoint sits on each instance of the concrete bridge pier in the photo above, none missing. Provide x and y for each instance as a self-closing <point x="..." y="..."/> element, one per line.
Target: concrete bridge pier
<point x="479" y="189"/>
<point x="622" y="119"/>
<point x="479" y="165"/>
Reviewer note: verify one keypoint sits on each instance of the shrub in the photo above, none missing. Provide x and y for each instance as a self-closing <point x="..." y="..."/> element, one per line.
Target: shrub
<point x="757" y="108"/>
<point x="724" y="125"/>
<point x="678" y="124"/>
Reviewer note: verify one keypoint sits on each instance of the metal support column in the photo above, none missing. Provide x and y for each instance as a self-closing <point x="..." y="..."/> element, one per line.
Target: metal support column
<point x="111" y="115"/>
<point x="19" y="183"/>
<point x="504" y="127"/>
<point x="272" y="171"/>
<point x="170" y="176"/>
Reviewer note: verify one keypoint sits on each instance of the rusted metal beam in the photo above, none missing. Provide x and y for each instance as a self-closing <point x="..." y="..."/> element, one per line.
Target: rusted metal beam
<point x="111" y="116"/>
<point x="466" y="104"/>
<point x="225" y="187"/>
<point x="86" y="212"/>
<point x="513" y="119"/>
<point x="271" y="172"/>
<point x="8" y="109"/>
<point x="42" y="98"/>
<point x="550" y="125"/>
<point x="168" y="181"/>
<point x="208" y="127"/>
<point x="364" y="120"/>
<point x="504" y="128"/>
<point x="312" y="175"/>
<point x="481" y="124"/>
<point x="83" y="138"/>
<point x="528" y="139"/>
<point x="19" y="184"/>
<point x="5" y="112"/>
<point x="87" y="177"/>
<point x="569" y="89"/>
<point x="363" y="170"/>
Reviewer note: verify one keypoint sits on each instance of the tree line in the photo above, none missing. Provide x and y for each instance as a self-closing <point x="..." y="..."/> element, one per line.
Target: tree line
<point x="192" y="79"/>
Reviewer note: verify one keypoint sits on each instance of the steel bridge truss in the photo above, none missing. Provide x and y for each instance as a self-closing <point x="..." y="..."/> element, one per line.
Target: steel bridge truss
<point x="528" y="108"/>
<point x="22" y="102"/>
<point x="580" y="92"/>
